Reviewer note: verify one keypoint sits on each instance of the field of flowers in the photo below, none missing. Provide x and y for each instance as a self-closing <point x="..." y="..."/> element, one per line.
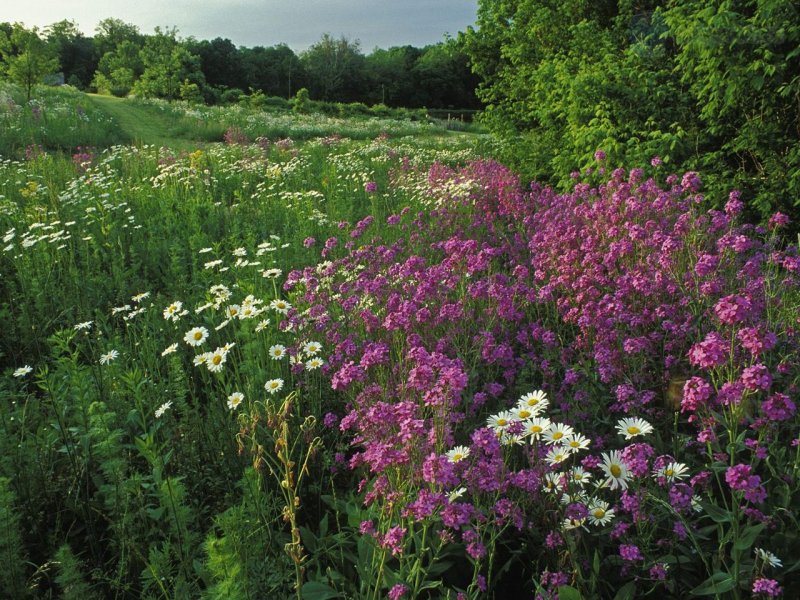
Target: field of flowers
<point x="387" y="368"/>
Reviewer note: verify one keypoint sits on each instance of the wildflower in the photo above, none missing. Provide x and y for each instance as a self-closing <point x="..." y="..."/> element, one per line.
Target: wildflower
<point x="262" y="325"/>
<point x="170" y="349"/>
<point x="232" y="311"/>
<point x="557" y="433"/>
<point x="139" y="297"/>
<point x="633" y="427"/>
<point x="580" y="476"/>
<point x="576" y="441"/>
<point x="398" y="591"/>
<point x="216" y="359"/>
<point x="457" y="454"/>
<point x="201" y="359"/>
<point x="163" y="408"/>
<point x="108" y="357"/>
<point x="456" y="494"/>
<point x="600" y="513"/>
<point x="615" y="469"/>
<point x="174" y="311"/>
<point x="536" y="401"/>
<point x="314" y="363"/>
<point x="552" y="483"/>
<point x="235" y="399"/>
<point x="84" y="325"/>
<point x="280" y="306"/>
<point x="273" y="386"/>
<point x="768" y="557"/>
<point x="312" y="348"/>
<point x="673" y="471"/>
<point x="768" y="587"/>
<point x="277" y="352"/>
<point x="118" y="309"/>
<point x="22" y="371"/>
<point x="536" y="426"/>
<point x="271" y="273"/>
<point x="556" y="455"/>
<point x="630" y="552"/>
<point x="500" y="421"/>
<point x="196" y="336"/>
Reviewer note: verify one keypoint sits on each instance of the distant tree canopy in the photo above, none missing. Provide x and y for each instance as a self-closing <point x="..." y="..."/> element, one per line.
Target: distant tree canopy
<point x="708" y="85"/>
<point x="121" y="60"/>
<point x="27" y="58"/>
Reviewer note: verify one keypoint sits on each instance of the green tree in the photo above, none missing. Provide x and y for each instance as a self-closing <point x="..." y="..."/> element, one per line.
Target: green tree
<point x="27" y="57"/>
<point x="119" y="69"/>
<point x="277" y="71"/>
<point x="168" y="64"/>
<point x="335" y="69"/>
<point x="75" y="52"/>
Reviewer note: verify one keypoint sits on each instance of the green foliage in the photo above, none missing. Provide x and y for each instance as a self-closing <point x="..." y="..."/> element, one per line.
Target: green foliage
<point x="12" y="551"/>
<point x="705" y="86"/>
<point x="70" y="577"/>
<point x="167" y="65"/>
<point x="27" y="57"/>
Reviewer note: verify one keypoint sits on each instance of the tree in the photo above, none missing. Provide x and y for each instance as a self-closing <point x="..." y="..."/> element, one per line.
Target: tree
<point x="221" y="63"/>
<point x="119" y="69"/>
<point x="389" y="75"/>
<point x="27" y="57"/>
<point x="277" y="71"/>
<point x="168" y="64"/>
<point x="75" y="52"/>
<point x="335" y="69"/>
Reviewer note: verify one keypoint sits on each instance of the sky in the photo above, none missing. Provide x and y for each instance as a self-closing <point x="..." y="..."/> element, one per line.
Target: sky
<point x="298" y="23"/>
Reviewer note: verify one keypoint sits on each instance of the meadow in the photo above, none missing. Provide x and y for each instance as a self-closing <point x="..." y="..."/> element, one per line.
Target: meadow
<point x="302" y="356"/>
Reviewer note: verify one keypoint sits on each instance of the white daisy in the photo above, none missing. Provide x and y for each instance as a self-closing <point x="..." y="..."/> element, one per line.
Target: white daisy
<point x="271" y="273"/>
<point x="273" y="386"/>
<point x="536" y="401"/>
<point x="557" y="433"/>
<point x="456" y="494"/>
<point x="262" y="325"/>
<point x="280" y="306"/>
<point x="536" y="427"/>
<point x="173" y="311"/>
<point x="633" y="427"/>
<point x="108" y="357"/>
<point x="201" y="359"/>
<point x="84" y="325"/>
<point x="232" y="311"/>
<point x="501" y="421"/>
<point x="600" y="513"/>
<point x="196" y="336"/>
<point x="163" y="408"/>
<point x="576" y="442"/>
<point x="22" y="371"/>
<point x="216" y="359"/>
<point x="556" y="455"/>
<point x="580" y="476"/>
<point x="457" y="454"/>
<point x="312" y="348"/>
<point x="235" y="399"/>
<point x="673" y="471"/>
<point x="314" y="364"/>
<point x="615" y="469"/>
<point x="552" y="483"/>
<point x="277" y="352"/>
<point x="170" y="349"/>
<point x="768" y="557"/>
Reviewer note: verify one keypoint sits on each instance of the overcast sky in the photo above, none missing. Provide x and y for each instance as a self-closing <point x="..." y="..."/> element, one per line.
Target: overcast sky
<point x="298" y="23"/>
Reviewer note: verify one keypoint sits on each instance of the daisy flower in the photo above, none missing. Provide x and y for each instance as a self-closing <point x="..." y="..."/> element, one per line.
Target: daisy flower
<point x="271" y="273"/>
<point x="633" y="427"/>
<point x="201" y="359"/>
<point x="232" y="311"/>
<point x="456" y="494"/>
<point x="536" y="401"/>
<point x="673" y="471"/>
<point x="274" y="386"/>
<point x="580" y="476"/>
<point x="556" y="455"/>
<point x="314" y="363"/>
<point x="536" y="426"/>
<point x="262" y="325"/>
<point x="22" y="371"/>
<point x="84" y="325"/>
<point x="108" y="357"/>
<point x="615" y="469"/>
<point x="552" y="483"/>
<point x="523" y="413"/>
<point x="216" y="359"/>
<point x="500" y="421"/>
<point x="557" y="433"/>
<point x="277" y="352"/>
<point x="170" y="349"/>
<point x="600" y="513"/>
<point x="173" y="311"/>
<point x="768" y="557"/>
<point x="576" y="442"/>
<point x="163" y="408"/>
<point x="235" y="399"/>
<point x="280" y="306"/>
<point x="196" y="336"/>
<point x="312" y="348"/>
<point x="140" y="297"/>
<point x="457" y="454"/>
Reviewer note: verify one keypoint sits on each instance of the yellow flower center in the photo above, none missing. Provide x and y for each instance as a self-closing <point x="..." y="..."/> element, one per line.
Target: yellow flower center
<point x="669" y="472"/>
<point x="533" y="402"/>
<point x="502" y="422"/>
<point x="633" y="430"/>
<point x="216" y="359"/>
<point x="524" y="414"/>
<point x="536" y="429"/>
<point x="457" y="457"/>
<point x="558" y="435"/>
<point x="599" y="513"/>
<point x="198" y="335"/>
<point x="574" y="444"/>
<point x="615" y="470"/>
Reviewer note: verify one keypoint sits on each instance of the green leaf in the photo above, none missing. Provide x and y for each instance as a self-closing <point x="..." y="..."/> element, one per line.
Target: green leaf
<point x="314" y="590"/>
<point x="749" y="536"/>
<point x="567" y="592"/>
<point x="717" y="514"/>
<point x="718" y="583"/>
<point x="626" y="592"/>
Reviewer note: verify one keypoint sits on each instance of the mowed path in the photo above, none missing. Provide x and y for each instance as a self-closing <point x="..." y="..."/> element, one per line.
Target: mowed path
<point x="143" y="125"/>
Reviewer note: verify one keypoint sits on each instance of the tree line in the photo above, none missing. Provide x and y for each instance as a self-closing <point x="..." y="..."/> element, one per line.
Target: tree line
<point x="705" y="85"/>
<point x="120" y="60"/>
